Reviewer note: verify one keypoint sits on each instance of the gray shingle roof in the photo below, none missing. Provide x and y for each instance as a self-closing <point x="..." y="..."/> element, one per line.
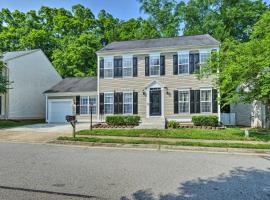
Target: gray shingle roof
<point x="182" y="41"/>
<point x="78" y="84"/>
<point x="14" y="54"/>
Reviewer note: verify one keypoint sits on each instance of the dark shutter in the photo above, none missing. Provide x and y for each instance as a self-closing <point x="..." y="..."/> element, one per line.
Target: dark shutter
<point x="191" y="63"/>
<point x="192" y="102"/>
<point x="162" y="65"/>
<point x="147" y="66"/>
<point x="175" y="64"/>
<point x="77" y="105"/>
<point x="196" y="62"/>
<point x="120" y="102"/>
<point x="214" y="101"/>
<point x="0" y="105"/>
<point x="117" y="67"/>
<point x="197" y="101"/>
<point x="135" y="66"/>
<point x="175" y="101"/>
<point x="101" y="103"/>
<point x="101" y="68"/>
<point x="115" y="103"/>
<point x="135" y="102"/>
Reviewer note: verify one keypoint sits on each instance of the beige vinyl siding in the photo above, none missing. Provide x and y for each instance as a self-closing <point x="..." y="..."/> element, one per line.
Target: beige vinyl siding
<point x="172" y="82"/>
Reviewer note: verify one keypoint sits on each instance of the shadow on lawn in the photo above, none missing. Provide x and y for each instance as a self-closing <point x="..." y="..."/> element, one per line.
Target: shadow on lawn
<point x="239" y="184"/>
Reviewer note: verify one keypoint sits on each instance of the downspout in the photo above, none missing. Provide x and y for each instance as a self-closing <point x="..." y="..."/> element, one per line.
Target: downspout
<point x="98" y="113"/>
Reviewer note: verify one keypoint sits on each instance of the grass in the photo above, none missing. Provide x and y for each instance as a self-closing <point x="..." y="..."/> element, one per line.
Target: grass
<point x="226" y="134"/>
<point x="15" y="123"/>
<point x="199" y="144"/>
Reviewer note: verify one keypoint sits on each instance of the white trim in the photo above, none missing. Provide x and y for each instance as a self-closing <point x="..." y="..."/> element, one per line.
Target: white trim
<point x="211" y="100"/>
<point x="46" y="102"/>
<point x="128" y="92"/>
<point x="184" y="90"/>
<point x="98" y="82"/>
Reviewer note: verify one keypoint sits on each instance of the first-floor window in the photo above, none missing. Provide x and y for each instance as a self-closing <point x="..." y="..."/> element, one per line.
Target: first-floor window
<point x="108" y="103"/>
<point x="206" y="101"/>
<point x="127" y="102"/>
<point x="184" y="101"/>
<point x="85" y="105"/>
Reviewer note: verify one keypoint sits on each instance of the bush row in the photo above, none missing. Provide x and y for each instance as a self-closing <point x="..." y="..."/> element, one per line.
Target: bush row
<point x="123" y="120"/>
<point x="205" y="120"/>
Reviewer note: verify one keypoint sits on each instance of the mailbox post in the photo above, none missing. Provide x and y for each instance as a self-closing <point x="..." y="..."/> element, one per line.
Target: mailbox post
<point x="72" y="120"/>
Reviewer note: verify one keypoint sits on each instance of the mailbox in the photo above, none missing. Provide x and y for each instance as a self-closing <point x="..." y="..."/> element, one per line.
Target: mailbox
<point x="71" y="118"/>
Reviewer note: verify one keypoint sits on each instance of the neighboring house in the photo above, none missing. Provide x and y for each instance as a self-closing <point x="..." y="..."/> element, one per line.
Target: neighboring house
<point x="155" y="79"/>
<point x="251" y="115"/>
<point x="30" y="73"/>
<point x="72" y="96"/>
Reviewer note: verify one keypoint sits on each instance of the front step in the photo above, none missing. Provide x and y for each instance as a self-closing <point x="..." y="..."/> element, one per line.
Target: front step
<point x="152" y="123"/>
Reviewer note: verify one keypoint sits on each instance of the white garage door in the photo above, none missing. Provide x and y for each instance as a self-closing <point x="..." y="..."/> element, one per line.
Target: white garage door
<point x="58" y="109"/>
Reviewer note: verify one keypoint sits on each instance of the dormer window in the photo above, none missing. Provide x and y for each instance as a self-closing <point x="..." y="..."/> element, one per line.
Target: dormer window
<point x="108" y="67"/>
<point x="155" y="65"/>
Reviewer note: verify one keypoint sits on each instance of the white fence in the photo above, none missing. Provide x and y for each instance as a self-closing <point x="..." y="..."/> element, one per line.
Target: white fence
<point x="228" y="119"/>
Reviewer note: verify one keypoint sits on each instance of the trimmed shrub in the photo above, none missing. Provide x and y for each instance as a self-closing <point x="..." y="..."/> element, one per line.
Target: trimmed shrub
<point x="123" y="120"/>
<point x="172" y="124"/>
<point x="205" y="120"/>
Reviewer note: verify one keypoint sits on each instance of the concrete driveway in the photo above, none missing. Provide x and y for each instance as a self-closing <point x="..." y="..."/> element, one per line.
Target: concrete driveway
<point x="39" y="132"/>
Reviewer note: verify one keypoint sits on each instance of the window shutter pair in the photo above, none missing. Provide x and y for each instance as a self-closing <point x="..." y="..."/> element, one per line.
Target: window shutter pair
<point x="118" y="67"/>
<point x="77" y="103"/>
<point x="194" y="101"/>
<point x="118" y="103"/>
<point x="162" y="66"/>
<point x="101" y="68"/>
<point x="101" y="103"/>
<point x="194" y="62"/>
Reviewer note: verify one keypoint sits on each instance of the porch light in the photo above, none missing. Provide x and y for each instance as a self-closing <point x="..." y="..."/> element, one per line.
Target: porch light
<point x="144" y="93"/>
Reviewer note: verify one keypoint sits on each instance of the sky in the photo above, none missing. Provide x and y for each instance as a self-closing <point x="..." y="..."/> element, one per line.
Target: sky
<point x="122" y="9"/>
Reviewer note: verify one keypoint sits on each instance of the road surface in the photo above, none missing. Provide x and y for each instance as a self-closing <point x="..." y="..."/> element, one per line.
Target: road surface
<point x="41" y="171"/>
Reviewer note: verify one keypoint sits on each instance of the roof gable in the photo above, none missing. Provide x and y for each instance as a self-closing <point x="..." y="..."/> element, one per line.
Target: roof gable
<point x="15" y="54"/>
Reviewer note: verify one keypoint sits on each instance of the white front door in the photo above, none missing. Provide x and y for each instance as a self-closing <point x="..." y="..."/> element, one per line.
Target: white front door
<point x="58" y="109"/>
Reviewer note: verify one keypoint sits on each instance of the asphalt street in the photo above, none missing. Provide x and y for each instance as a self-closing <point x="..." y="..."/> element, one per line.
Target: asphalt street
<point x="41" y="171"/>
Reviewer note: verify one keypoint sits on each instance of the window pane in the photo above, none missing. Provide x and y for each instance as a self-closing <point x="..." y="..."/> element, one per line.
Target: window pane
<point x="206" y="95"/>
<point x="93" y="102"/>
<point x="183" y="69"/>
<point x="127" y="98"/>
<point x="184" y="107"/>
<point x="108" y="73"/>
<point x="204" y="57"/>
<point x="154" y="60"/>
<point x="127" y="72"/>
<point x="108" y="98"/>
<point x="108" y="108"/>
<point x="183" y="58"/>
<point x="154" y="70"/>
<point x="206" y="107"/>
<point x="127" y="108"/>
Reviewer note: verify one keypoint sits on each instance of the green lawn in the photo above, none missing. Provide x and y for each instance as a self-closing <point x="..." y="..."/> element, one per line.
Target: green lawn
<point x="200" y="144"/>
<point x="15" y="123"/>
<point x="227" y="134"/>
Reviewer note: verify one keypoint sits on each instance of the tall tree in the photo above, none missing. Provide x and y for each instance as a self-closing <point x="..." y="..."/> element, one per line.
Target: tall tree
<point x="244" y="68"/>
<point x="4" y="82"/>
<point x="164" y="14"/>
<point x="222" y="19"/>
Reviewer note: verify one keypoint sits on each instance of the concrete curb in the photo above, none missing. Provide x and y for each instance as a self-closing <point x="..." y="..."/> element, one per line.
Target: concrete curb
<point x="165" y="147"/>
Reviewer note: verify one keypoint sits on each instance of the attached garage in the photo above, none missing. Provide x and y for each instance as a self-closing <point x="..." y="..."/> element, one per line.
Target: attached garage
<point x="58" y="109"/>
<point x="72" y="96"/>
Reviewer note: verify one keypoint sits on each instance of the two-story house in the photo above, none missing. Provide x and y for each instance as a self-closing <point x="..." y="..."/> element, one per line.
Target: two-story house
<point x="155" y="79"/>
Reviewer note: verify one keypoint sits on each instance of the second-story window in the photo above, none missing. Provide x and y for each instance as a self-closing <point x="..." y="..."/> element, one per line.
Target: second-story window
<point x="108" y="68"/>
<point x="155" y="65"/>
<point x="183" y="63"/>
<point x="204" y="56"/>
<point x="127" y="66"/>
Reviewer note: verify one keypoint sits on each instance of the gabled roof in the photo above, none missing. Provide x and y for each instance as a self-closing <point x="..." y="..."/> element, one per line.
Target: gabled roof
<point x="181" y="41"/>
<point x="78" y="84"/>
<point x="14" y="54"/>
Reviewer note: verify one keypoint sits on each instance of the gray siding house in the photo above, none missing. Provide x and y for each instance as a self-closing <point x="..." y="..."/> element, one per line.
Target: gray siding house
<point x="155" y="79"/>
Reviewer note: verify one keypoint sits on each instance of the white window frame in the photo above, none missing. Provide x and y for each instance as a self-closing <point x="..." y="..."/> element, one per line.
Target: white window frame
<point x="87" y="105"/>
<point x="108" y="60"/>
<point x="154" y="56"/>
<point x="181" y="53"/>
<point x="128" y="92"/>
<point x="127" y="57"/>
<point x="204" y="51"/>
<point x="105" y="93"/>
<point x="184" y="90"/>
<point x="211" y="103"/>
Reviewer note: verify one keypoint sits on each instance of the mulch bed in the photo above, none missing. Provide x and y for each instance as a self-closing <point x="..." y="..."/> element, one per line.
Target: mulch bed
<point x="203" y="127"/>
<point x="105" y="125"/>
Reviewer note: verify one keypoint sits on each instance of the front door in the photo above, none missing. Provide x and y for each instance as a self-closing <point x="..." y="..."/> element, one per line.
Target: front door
<point x="155" y="102"/>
